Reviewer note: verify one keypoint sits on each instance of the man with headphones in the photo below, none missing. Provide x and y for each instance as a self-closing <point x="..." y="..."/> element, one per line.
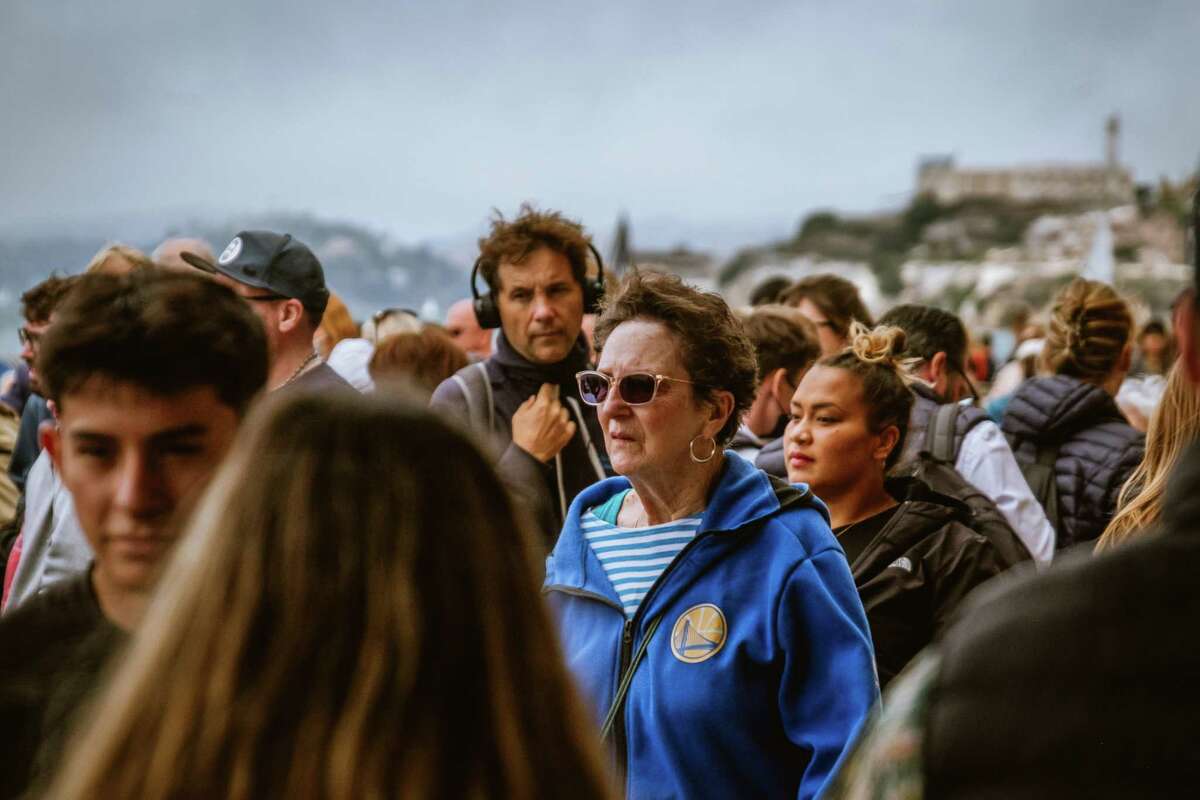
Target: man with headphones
<point x="525" y="397"/>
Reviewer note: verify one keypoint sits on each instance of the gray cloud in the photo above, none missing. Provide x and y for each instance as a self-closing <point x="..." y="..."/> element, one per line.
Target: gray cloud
<point x="421" y="117"/>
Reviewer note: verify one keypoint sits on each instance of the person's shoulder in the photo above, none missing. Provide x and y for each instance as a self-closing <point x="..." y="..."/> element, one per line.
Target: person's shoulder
<point x="801" y="527"/>
<point x="322" y="377"/>
<point x="51" y="621"/>
<point x="1113" y="597"/>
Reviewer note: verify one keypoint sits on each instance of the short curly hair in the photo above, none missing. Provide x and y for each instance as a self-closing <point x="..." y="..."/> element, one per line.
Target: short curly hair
<point x="514" y="241"/>
<point x="39" y="303"/>
<point x="713" y="345"/>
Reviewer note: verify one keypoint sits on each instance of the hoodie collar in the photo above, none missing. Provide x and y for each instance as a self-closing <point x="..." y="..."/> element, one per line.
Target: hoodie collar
<point x="744" y="494"/>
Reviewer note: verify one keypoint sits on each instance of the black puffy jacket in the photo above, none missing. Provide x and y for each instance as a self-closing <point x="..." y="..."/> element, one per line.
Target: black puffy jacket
<point x="1097" y="448"/>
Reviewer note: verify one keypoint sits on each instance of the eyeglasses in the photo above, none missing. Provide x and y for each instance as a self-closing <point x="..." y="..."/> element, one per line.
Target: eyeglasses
<point x="264" y="298"/>
<point x="28" y="337"/>
<point x="636" y="388"/>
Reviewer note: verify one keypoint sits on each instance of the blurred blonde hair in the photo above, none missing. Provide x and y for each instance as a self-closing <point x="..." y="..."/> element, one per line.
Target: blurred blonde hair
<point x="119" y="259"/>
<point x="1090" y="326"/>
<point x="1174" y="425"/>
<point x="344" y="617"/>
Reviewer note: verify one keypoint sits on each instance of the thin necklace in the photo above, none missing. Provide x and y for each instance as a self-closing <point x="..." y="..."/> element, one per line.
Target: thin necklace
<point x="846" y="528"/>
<point x="303" y="365"/>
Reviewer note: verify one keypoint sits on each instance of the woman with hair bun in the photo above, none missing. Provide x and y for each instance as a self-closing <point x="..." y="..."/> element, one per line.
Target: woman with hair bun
<point x="1069" y="418"/>
<point x="911" y="550"/>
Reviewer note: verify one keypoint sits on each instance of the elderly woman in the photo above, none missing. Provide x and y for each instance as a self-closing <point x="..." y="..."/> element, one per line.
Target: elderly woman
<point x="706" y="610"/>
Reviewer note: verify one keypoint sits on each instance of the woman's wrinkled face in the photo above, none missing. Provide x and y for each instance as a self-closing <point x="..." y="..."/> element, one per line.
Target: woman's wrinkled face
<point x="651" y="438"/>
<point x="829" y="443"/>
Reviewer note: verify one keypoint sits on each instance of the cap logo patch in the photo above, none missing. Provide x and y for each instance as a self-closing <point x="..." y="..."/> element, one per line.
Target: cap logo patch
<point x="699" y="634"/>
<point x="231" y="251"/>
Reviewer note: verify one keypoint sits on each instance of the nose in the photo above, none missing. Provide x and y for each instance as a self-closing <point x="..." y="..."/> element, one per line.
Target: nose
<point x="140" y="491"/>
<point x="613" y="402"/>
<point x="797" y="431"/>
<point x="542" y="308"/>
<point x="27" y="353"/>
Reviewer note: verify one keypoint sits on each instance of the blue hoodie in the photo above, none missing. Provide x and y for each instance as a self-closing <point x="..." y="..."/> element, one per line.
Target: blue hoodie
<point x="762" y="669"/>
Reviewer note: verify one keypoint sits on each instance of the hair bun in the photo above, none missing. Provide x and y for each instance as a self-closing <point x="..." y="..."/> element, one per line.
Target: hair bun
<point x="882" y="345"/>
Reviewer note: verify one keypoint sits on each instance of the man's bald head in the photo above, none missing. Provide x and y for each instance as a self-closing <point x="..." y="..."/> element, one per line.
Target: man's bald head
<point x="464" y="329"/>
<point x="167" y="253"/>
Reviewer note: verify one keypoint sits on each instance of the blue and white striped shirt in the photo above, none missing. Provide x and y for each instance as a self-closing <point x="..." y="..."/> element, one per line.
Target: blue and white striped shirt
<point x="634" y="558"/>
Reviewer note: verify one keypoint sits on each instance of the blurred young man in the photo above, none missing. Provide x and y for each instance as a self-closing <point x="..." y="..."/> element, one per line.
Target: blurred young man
<point x="536" y="270"/>
<point x="785" y="343"/>
<point x="37" y="307"/>
<point x="936" y="341"/>
<point x="150" y="374"/>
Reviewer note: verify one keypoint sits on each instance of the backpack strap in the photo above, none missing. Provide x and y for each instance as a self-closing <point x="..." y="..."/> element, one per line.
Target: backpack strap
<point x="472" y="382"/>
<point x="618" y="702"/>
<point x="1047" y="455"/>
<point x="939" y="436"/>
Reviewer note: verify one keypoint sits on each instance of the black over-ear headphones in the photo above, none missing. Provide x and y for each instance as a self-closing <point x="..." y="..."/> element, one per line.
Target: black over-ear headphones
<point x="487" y="311"/>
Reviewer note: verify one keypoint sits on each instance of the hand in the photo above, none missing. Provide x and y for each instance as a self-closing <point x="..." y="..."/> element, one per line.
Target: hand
<point x="542" y="426"/>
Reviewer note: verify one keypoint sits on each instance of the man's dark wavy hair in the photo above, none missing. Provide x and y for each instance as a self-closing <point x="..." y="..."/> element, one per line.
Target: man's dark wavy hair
<point x="163" y="332"/>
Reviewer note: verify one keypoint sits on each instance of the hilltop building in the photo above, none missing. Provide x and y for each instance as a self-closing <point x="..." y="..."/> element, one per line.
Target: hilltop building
<point x="1105" y="183"/>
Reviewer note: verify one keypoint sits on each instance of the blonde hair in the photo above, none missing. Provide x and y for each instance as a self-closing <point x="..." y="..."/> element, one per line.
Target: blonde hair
<point x="875" y="355"/>
<point x="1174" y="425"/>
<point x="344" y="617"/>
<point x="119" y="259"/>
<point x="1090" y="326"/>
<point x="336" y="324"/>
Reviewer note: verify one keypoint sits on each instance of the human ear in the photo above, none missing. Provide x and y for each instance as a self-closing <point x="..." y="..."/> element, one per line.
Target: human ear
<point x="720" y="406"/>
<point x="290" y="314"/>
<point x="938" y="373"/>
<point x="51" y="440"/>
<point x="888" y="440"/>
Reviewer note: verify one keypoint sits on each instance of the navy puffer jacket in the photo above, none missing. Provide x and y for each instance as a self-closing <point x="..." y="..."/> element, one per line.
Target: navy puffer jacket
<point x="1097" y="448"/>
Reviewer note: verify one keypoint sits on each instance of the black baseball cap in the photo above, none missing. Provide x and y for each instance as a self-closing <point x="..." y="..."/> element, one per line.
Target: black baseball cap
<point x="271" y="261"/>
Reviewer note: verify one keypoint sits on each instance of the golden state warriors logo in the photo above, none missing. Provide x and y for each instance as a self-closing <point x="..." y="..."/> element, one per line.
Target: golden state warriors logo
<point x="698" y="633"/>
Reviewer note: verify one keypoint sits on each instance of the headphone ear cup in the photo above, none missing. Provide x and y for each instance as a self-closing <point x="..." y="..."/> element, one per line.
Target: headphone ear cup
<point x="486" y="313"/>
<point x="593" y="291"/>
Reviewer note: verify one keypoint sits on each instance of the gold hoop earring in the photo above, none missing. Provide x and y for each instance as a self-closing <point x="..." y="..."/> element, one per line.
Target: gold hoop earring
<point x="711" y="453"/>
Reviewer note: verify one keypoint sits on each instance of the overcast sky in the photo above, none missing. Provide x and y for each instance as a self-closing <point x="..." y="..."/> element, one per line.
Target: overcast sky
<point x="419" y="117"/>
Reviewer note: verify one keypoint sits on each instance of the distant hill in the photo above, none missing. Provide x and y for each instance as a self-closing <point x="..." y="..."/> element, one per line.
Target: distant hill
<point x="364" y="267"/>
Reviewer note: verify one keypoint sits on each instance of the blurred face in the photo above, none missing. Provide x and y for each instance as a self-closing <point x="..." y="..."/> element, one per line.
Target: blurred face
<point x="464" y="329"/>
<point x="829" y="443"/>
<point x="130" y="458"/>
<point x="541" y="306"/>
<point x="770" y="403"/>
<point x="653" y="438"/>
<point x="827" y="336"/>
<point x="1153" y="344"/>
<point x="31" y="336"/>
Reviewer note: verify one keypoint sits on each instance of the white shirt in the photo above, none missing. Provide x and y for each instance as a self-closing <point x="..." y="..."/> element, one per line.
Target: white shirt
<point x="987" y="462"/>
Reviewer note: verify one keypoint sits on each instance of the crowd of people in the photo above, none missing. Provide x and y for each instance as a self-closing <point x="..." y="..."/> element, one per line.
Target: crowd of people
<point x="594" y="536"/>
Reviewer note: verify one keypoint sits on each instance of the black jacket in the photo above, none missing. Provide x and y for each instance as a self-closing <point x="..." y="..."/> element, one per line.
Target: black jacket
<point x="916" y="571"/>
<point x="514" y="379"/>
<point x="1097" y="448"/>
<point x="1079" y="682"/>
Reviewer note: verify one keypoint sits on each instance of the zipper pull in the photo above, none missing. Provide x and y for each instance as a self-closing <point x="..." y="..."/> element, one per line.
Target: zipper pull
<point x="627" y="636"/>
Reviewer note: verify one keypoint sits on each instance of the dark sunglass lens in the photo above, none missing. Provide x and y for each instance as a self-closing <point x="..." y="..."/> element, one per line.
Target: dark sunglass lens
<point x="593" y="389"/>
<point x="636" y="389"/>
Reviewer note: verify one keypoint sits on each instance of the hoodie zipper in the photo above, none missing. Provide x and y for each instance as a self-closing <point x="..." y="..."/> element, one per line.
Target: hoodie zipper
<point x="620" y="744"/>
